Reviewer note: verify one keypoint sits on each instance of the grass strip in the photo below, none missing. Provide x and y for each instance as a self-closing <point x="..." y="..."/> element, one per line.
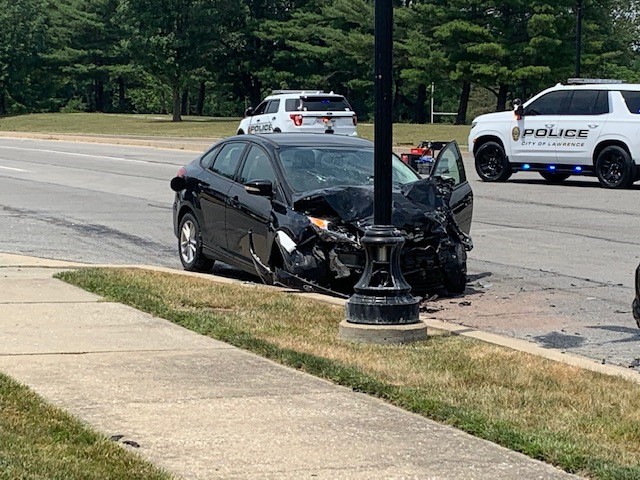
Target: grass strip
<point x="38" y="441"/>
<point x="582" y="421"/>
<point x="197" y="127"/>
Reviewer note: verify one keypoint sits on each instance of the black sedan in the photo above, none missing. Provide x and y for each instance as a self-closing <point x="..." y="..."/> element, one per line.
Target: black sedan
<point x="636" y="302"/>
<point x="293" y="207"/>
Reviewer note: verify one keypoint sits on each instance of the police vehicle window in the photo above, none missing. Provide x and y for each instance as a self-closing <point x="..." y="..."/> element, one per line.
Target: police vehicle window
<point x="227" y="160"/>
<point x="449" y="167"/>
<point x="257" y="166"/>
<point x="260" y="108"/>
<point x="292" y="104"/>
<point x="549" y="104"/>
<point x="632" y="99"/>
<point x="326" y="104"/>
<point x="207" y="159"/>
<point x="602" y="104"/>
<point x="584" y="102"/>
<point x="273" y="106"/>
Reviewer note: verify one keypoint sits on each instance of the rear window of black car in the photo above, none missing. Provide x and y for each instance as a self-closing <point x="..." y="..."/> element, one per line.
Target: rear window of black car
<point x="632" y="100"/>
<point x="317" y="104"/>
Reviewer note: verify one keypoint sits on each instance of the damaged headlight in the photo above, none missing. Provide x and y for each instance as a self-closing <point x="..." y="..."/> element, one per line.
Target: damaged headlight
<point x="321" y="223"/>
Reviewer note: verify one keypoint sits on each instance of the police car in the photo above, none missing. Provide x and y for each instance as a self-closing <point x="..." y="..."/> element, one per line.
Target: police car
<point x="584" y="127"/>
<point x="300" y="111"/>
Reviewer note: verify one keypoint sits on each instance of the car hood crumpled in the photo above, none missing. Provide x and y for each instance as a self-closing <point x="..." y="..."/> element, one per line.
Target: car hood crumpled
<point x="419" y="209"/>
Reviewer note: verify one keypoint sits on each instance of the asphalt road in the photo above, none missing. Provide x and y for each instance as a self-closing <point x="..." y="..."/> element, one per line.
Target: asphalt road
<point x="552" y="264"/>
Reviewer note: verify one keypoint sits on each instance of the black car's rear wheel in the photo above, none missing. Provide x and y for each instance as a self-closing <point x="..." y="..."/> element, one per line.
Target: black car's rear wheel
<point x="190" y="246"/>
<point x="614" y="167"/>
<point x="491" y="163"/>
<point x="553" y="177"/>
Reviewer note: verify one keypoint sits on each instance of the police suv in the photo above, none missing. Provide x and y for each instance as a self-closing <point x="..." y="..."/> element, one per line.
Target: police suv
<point x="586" y="127"/>
<point x="300" y="111"/>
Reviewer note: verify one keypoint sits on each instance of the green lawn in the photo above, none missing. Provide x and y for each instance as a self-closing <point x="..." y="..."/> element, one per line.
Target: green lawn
<point x="38" y="441"/>
<point x="198" y="127"/>
<point x="579" y="420"/>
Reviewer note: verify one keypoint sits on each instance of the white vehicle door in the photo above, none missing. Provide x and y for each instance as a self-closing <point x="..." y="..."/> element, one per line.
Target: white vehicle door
<point x="260" y="119"/>
<point x="535" y="133"/>
<point x="581" y="126"/>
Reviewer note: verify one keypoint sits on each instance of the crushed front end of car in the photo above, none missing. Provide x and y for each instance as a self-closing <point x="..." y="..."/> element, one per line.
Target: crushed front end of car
<point x="319" y="242"/>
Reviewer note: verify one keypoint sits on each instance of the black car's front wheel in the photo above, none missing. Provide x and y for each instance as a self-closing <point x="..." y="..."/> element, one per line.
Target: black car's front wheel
<point x="190" y="245"/>
<point x="454" y="269"/>
<point x="492" y="164"/>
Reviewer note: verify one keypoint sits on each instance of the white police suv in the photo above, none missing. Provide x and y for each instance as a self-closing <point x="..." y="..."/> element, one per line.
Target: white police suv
<point x="300" y="111"/>
<point x="586" y="127"/>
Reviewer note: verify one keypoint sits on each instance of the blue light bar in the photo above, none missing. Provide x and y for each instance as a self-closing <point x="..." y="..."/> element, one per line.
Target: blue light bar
<point x="578" y="169"/>
<point x="552" y="167"/>
<point x="526" y="166"/>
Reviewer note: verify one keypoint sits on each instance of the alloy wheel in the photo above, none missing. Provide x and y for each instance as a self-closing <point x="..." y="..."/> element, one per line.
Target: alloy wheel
<point x="188" y="241"/>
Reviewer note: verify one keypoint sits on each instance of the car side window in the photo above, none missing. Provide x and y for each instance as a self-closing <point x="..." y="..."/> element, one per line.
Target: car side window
<point x="450" y="165"/>
<point x="632" y="99"/>
<point x="550" y="104"/>
<point x="588" y="102"/>
<point x="257" y="166"/>
<point x="292" y="104"/>
<point x="207" y="159"/>
<point x="227" y="160"/>
<point x="273" y="106"/>
<point x="260" y="109"/>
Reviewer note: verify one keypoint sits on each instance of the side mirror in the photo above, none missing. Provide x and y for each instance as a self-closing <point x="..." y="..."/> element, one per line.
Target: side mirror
<point x="178" y="184"/>
<point x="264" y="188"/>
<point x="248" y="112"/>
<point x="518" y="109"/>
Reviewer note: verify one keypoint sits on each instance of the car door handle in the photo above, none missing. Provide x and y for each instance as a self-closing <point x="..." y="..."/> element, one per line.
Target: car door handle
<point x="549" y="125"/>
<point x="593" y="125"/>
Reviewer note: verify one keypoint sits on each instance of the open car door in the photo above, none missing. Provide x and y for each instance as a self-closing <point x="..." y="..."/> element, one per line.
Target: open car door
<point x="449" y="164"/>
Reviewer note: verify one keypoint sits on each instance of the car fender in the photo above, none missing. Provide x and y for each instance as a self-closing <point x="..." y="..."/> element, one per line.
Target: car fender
<point x="616" y="137"/>
<point x="488" y="133"/>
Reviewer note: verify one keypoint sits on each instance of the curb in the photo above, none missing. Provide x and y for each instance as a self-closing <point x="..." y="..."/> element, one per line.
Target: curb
<point x="21" y="261"/>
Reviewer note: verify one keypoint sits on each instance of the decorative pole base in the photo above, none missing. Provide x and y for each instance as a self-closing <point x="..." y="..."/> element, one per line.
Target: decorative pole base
<point x="382" y="310"/>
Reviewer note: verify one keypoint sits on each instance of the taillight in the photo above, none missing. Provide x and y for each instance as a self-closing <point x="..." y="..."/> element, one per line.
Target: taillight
<point x="297" y="119"/>
<point x="182" y="172"/>
<point x="355" y="120"/>
<point x="405" y="158"/>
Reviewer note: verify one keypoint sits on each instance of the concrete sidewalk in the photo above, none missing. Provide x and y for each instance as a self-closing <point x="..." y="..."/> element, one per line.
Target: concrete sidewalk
<point x="203" y="409"/>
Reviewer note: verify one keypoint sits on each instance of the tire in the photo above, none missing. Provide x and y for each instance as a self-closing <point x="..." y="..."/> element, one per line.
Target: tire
<point x="454" y="269"/>
<point x="190" y="246"/>
<point x="491" y="163"/>
<point x="553" y="177"/>
<point x="614" y="168"/>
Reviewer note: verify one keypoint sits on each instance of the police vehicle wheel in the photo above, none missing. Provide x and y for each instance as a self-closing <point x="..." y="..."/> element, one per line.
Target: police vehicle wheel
<point x="614" y="168"/>
<point x="190" y="246"/>
<point x="552" y="177"/>
<point x="491" y="163"/>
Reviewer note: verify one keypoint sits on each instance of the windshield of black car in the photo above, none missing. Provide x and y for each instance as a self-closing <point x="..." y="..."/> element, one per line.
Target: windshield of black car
<point x="317" y="167"/>
<point x="318" y="104"/>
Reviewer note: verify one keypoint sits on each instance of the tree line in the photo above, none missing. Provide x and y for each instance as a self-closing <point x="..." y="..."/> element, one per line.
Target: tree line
<point x="216" y="57"/>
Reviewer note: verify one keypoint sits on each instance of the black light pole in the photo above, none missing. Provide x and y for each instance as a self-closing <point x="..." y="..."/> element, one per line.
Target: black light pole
<point x="578" y="35"/>
<point x="382" y="296"/>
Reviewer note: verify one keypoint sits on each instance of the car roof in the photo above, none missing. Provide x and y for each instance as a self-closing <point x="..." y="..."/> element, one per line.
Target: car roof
<point x="278" y="140"/>
<point x="600" y="86"/>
